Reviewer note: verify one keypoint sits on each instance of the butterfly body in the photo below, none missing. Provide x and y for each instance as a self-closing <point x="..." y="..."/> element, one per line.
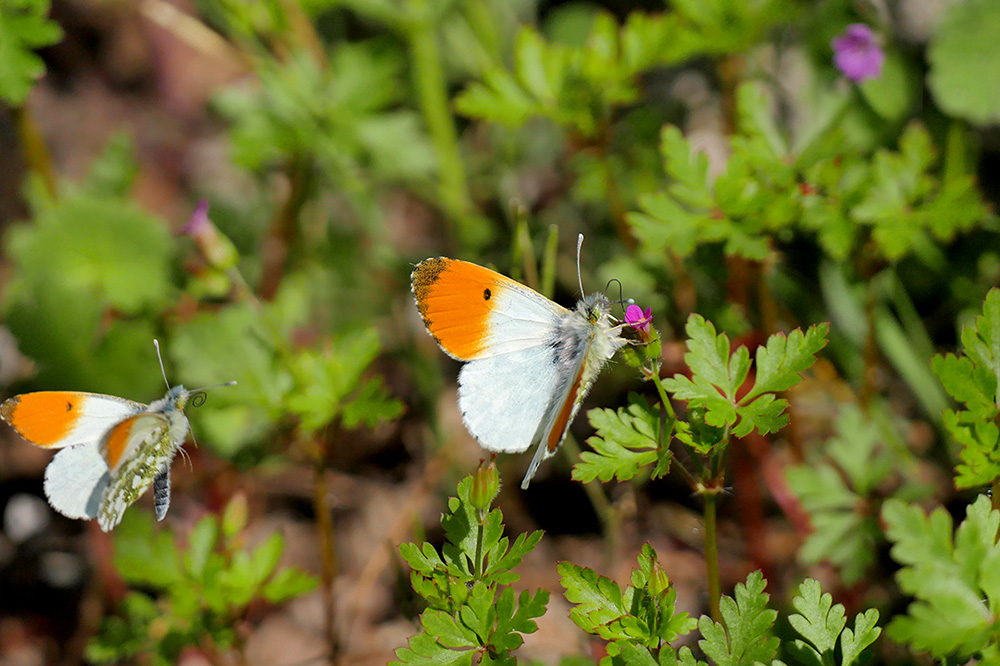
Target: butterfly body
<point x="110" y="449"/>
<point x="529" y="362"/>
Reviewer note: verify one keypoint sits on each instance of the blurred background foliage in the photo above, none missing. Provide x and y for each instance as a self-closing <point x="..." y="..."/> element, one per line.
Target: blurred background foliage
<point x="251" y="183"/>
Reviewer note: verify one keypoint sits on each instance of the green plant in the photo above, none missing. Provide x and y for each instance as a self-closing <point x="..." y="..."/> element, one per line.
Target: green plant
<point x="473" y="613"/>
<point x="198" y="590"/>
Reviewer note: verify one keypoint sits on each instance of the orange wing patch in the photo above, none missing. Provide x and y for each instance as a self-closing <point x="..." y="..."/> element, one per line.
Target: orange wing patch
<point x="455" y="298"/>
<point x="44" y="418"/>
<point x="562" y="419"/>
<point x="115" y="441"/>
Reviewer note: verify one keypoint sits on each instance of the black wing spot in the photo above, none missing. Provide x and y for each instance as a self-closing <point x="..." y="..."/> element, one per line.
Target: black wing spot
<point x="69" y="406"/>
<point x="487" y="294"/>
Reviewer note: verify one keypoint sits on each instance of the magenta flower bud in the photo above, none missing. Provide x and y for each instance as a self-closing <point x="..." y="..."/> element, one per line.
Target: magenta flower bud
<point x="217" y="250"/>
<point x="857" y="53"/>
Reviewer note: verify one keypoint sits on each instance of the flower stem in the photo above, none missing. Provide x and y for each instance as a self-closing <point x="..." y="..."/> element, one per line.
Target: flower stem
<point x="712" y="556"/>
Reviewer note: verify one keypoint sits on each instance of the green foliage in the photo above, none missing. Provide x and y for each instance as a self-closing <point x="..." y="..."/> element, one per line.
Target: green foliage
<point x="641" y="617"/>
<point x="23" y="27"/>
<point x="744" y="636"/>
<point x="576" y="87"/>
<point x="313" y="387"/>
<point x="954" y="580"/>
<point x="88" y="273"/>
<point x="626" y="441"/>
<point x="840" y="488"/>
<point x="341" y="115"/>
<point x="717" y="376"/>
<point x="964" y="56"/>
<point x="973" y="380"/>
<point x="825" y="188"/>
<point x="472" y="615"/>
<point x="195" y="591"/>
<point x="821" y="622"/>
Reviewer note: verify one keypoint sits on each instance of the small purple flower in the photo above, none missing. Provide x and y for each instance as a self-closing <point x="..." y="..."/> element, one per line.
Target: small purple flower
<point x="857" y="53"/>
<point x="638" y="318"/>
<point x="198" y="223"/>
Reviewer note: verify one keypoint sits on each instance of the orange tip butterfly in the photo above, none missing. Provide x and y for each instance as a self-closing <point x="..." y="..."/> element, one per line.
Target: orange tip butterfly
<point x="528" y="361"/>
<point x="111" y="449"/>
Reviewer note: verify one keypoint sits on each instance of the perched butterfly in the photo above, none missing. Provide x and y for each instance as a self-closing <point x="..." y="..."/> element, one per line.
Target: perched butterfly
<point x="111" y="449"/>
<point x="529" y="362"/>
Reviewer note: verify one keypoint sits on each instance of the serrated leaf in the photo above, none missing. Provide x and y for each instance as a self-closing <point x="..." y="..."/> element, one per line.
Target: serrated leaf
<point x="782" y="358"/>
<point x="746" y="636"/>
<point x="626" y="441"/>
<point x="819" y="621"/>
<point x="23" y="27"/>
<point x="853" y="643"/>
<point x="599" y="599"/>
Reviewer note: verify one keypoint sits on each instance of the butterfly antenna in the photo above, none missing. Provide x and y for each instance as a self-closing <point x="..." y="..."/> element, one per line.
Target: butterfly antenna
<point x="579" y="275"/>
<point x="156" y="343"/>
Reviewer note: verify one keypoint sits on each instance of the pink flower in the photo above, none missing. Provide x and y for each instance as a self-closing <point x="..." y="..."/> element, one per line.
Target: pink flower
<point x="857" y="53"/>
<point x="198" y="223"/>
<point x="638" y="318"/>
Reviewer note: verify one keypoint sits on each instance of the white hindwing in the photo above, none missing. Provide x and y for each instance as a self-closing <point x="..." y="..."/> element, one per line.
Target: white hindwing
<point x="75" y="480"/>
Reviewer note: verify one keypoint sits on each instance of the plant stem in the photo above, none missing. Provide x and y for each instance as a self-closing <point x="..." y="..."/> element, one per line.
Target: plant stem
<point x="432" y="95"/>
<point x="35" y="151"/>
<point x="478" y="564"/>
<point x="712" y="556"/>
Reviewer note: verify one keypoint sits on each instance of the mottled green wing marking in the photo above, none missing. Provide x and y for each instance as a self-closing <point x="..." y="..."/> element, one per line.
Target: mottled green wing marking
<point x="150" y="447"/>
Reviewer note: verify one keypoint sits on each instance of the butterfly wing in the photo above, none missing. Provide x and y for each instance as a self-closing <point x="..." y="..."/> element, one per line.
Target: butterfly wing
<point x="136" y="451"/>
<point x="476" y="313"/>
<point x="57" y="419"/>
<point x="75" y="481"/>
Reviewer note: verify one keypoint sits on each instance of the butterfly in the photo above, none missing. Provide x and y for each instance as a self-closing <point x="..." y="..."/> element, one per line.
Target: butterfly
<point x="110" y="449"/>
<point x="529" y="362"/>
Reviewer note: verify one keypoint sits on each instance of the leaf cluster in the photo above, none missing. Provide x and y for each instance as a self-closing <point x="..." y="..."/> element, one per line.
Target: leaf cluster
<point x="840" y="488"/>
<point x="973" y="379"/>
<point x="196" y="592"/>
<point x="341" y="115"/>
<point x="842" y="194"/>
<point x="640" y="618"/>
<point x="580" y="86"/>
<point x="89" y="252"/>
<point x="640" y="622"/>
<point x="24" y="26"/>
<point x="954" y="578"/>
<point x="473" y="614"/>
<point x="717" y="376"/>
<point x="627" y="440"/>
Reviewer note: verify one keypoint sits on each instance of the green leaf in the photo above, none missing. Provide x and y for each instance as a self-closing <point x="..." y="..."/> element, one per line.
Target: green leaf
<point x="964" y="58"/>
<point x="852" y="643"/>
<point x="144" y="555"/>
<point x="974" y="380"/>
<point x="782" y="358"/>
<point x="23" y="27"/>
<point x="745" y="638"/>
<point x="201" y="543"/>
<point x="626" y="441"/>
<point x="819" y="621"/>
<point x="288" y="583"/>
<point x="599" y="599"/>
<point x="948" y="577"/>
